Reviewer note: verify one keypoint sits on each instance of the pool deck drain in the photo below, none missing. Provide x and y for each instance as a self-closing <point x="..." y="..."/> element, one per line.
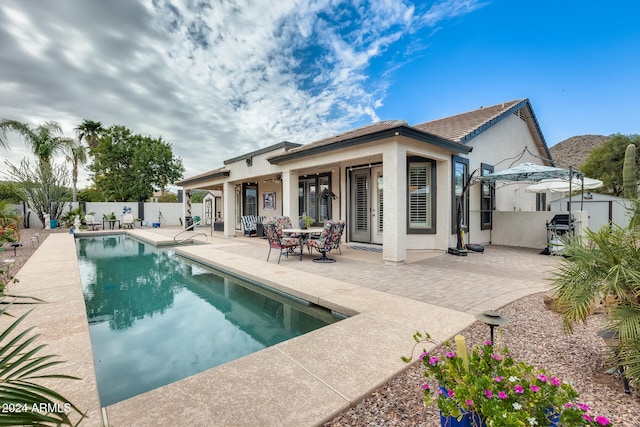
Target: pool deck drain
<point x="303" y="381"/>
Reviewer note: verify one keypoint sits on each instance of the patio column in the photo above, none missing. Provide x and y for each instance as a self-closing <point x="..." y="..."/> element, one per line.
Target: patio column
<point x="229" y="209"/>
<point x="394" y="160"/>
<point x="290" y="195"/>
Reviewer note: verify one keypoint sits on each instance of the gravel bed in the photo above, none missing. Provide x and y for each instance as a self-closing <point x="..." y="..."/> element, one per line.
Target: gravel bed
<point x="534" y="335"/>
<point x="23" y="253"/>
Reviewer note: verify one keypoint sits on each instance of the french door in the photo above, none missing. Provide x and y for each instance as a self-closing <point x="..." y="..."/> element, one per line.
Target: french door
<point x="367" y="200"/>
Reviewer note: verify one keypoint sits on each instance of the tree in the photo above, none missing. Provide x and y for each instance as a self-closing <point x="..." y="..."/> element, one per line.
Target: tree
<point x="606" y="162"/>
<point x="127" y="166"/>
<point x="43" y="139"/>
<point x="43" y="187"/>
<point x="76" y="155"/>
<point x="90" y="132"/>
<point x="8" y="192"/>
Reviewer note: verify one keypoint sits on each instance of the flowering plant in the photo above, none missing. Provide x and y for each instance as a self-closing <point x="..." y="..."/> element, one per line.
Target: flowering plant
<point x="9" y="234"/>
<point x="495" y="390"/>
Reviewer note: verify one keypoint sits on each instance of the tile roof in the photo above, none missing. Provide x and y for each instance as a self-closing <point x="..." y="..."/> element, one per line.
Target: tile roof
<point x="205" y="175"/>
<point x="369" y="133"/>
<point x="458" y="127"/>
<point x="353" y="133"/>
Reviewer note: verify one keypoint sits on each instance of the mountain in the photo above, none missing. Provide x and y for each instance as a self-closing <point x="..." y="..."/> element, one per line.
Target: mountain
<point x="575" y="150"/>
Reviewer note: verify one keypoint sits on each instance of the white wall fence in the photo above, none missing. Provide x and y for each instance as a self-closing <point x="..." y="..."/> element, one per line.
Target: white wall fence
<point x="167" y="214"/>
<point x="529" y="229"/>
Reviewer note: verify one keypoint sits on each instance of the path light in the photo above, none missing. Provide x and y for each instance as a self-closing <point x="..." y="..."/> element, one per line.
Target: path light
<point x="493" y="319"/>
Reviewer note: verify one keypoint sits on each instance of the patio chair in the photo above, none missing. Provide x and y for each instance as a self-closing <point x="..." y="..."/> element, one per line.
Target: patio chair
<point x="325" y="243"/>
<point x="91" y="222"/>
<point x="249" y="223"/>
<point x="127" y="221"/>
<point x="340" y="225"/>
<point x="277" y="241"/>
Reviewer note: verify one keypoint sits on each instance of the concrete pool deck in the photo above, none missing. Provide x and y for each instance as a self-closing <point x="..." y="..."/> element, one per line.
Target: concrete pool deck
<point x="303" y="381"/>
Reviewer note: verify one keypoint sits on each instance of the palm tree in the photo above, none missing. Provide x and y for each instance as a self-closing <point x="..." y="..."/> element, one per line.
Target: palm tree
<point x="89" y="131"/>
<point x="77" y="155"/>
<point x="42" y="139"/>
<point x="603" y="268"/>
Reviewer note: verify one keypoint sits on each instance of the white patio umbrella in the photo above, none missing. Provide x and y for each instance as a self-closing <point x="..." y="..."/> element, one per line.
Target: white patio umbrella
<point x="562" y="185"/>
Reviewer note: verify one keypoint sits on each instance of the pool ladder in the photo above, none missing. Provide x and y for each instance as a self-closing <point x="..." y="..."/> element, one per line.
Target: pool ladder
<point x="190" y="228"/>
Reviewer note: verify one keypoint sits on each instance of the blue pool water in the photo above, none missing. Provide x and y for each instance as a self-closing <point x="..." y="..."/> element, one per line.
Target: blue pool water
<point x="155" y="318"/>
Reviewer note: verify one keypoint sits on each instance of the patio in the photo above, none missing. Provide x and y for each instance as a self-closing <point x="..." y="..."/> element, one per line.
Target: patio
<point x="307" y="380"/>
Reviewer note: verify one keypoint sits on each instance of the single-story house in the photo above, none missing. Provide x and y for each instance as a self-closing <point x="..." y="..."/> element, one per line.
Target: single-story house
<point x="395" y="184"/>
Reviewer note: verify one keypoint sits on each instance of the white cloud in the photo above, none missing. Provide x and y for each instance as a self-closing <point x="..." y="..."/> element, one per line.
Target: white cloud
<point x="214" y="79"/>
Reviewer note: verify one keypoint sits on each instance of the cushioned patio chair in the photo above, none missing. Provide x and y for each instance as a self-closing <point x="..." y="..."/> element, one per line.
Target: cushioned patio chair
<point x="340" y="225"/>
<point x="127" y="221"/>
<point x="325" y="243"/>
<point x="277" y="241"/>
<point x="91" y="222"/>
<point x="250" y="224"/>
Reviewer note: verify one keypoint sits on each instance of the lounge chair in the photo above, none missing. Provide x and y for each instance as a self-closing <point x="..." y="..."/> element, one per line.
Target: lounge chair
<point x="91" y="222"/>
<point x="127" y="221"/>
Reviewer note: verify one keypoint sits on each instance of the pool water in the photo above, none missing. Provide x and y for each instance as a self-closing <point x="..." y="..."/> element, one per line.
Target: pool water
<point x="155" y="317"/>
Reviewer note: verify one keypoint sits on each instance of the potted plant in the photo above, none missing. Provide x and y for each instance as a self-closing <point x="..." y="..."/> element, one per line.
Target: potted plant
<point x="305" y="221"/>
<point x="488" y="387"/>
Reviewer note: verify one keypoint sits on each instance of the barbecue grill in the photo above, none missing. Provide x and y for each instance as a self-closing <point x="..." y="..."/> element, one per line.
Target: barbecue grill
<point x="559" y="225"/>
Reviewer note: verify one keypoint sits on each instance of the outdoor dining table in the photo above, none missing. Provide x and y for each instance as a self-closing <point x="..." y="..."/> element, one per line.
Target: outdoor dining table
<point x="303" y="234"/>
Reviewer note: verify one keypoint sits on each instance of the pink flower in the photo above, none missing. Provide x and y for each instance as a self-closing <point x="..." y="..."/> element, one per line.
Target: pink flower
<point x="487" y="342"/>
<point x="433" y="360"/>
<point x="426" y="387"/>
<point x="439" y="391"/>
<point x="423" y="355"/>
<point x="603" y="421"/>
<point x="555" y="381"/>
<point x="470" y="403"/>
<point x="498" y="379"/>
<point x="518" y="389"/>
<point x="451" y="355"/>
<point x="496" y="357"/>
<point x="489" y="394"/>
<point x="568" y="405"/>
<point x="587" y="417"/>
<point x="542" y="377"/>
<point x="502" y="395"/>
<point x="534" y="388"/>
<point x="584" y="407"/>
<point x="450" y="393"/>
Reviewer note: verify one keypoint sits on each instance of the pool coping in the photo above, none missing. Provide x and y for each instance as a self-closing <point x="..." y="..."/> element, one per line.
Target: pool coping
<point x="303" y="381"/>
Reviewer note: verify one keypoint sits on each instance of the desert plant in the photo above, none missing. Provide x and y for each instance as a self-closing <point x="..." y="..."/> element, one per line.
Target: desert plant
<point x="68" y="218"/>
<point x="629" y="179"/>
<point x="604" y="265"/>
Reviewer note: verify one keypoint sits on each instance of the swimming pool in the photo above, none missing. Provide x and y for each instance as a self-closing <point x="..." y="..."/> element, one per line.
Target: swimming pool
<point x="155" y="317"/>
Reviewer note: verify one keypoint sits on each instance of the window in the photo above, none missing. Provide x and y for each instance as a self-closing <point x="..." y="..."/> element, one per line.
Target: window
<point x="541" y="201"/>
<point x="250" y="199"/>
<point x="487" y="196"/>
<point x="460" y="197"/>
<point x="309" y="203"/>
<point x="421" y="200"/>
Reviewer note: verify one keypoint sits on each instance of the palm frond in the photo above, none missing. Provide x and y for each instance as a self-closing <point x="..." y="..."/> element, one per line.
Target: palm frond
<point x="20" y="365"/>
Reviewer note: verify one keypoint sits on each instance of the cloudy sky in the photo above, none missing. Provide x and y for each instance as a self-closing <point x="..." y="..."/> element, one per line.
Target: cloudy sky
<point x="220" y="78"/>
